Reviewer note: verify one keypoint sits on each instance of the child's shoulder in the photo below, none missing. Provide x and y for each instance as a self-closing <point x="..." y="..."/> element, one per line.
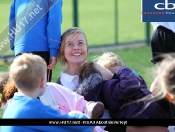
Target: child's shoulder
<point x="123" y="69"/>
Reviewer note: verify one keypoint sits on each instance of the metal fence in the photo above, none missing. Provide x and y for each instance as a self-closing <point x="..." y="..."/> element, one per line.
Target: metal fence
<point x="107" y="22"/>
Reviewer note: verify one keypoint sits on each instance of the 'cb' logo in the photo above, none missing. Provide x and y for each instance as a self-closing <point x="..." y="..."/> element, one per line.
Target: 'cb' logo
<point x="163" y="6"/>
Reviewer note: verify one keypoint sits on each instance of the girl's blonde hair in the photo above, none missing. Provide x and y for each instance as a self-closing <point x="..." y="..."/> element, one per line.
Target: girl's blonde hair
<point x="164" y="83"/>
<point x="73" y="30"/>
<point x="166" y="77"/>
<point x="109" y="59"/>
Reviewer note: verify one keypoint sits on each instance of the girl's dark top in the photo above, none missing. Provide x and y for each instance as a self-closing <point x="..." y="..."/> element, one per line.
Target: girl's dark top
<point x="125" y="87"/>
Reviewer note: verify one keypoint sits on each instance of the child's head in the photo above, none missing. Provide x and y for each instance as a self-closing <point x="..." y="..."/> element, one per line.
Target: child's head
<point x="166" y="73"/>
<point x="28" y="72"/>
<point x="90" y="67"/>
<point x="110" y="61"/>
<point x="164" y="84"/>
<point x="4" y="76"/>
<point x="74" y="47"/>
<point x="91" y="75"/>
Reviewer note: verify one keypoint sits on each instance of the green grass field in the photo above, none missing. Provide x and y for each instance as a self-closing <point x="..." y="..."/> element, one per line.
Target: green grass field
<point x="137" y="59"/>
<point x="97" y="19"/>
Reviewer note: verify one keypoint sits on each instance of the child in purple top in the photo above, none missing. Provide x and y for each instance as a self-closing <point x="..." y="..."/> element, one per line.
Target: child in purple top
<point x="118" y="92"/>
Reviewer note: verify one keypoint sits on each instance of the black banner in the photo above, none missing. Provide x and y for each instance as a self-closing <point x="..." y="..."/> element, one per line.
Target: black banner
<point x="52" y="122"/>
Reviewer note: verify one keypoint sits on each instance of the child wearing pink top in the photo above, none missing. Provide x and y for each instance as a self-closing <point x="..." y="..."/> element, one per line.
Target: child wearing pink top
<point x="65" y="100"/>
<point x="62" y="99"/>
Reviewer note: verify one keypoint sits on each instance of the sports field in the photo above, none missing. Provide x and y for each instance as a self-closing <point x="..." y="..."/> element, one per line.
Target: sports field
<point x="137" y="59"/>
<point x="97" y="19"/>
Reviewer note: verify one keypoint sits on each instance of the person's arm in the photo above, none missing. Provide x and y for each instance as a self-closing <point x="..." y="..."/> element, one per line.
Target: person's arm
<point x="66" y="97"/>
<point x="54" y="27"/>
<point x="127" y="83"/>
<point x="54" y="31"/>
<point x="12" y="25"/>
<point x="53" y="114"/>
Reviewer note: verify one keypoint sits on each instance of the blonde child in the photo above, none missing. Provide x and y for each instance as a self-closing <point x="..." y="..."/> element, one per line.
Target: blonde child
<point x="117" y="91"/>
<point x="59" y="98"/>
<point x="72" y="55"/>
<point x="110" y="61"/>
<point x="113" y="62"/>
<point x="29" y="75"/>
<point x="163" y="85"/>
